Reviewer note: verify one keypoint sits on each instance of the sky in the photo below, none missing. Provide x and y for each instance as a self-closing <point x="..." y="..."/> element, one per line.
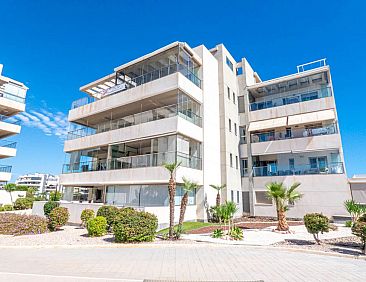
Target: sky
<point x="54" y="47"/>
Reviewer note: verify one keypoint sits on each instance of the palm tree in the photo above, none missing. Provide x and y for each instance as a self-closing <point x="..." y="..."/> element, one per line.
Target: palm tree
<point x="228" y="211"/>
<point x="218" y="188"/>
<point x="188" y="186"/>
<point x="171" y="167"/>
<point x="10" y="187"/>
<point x="282" y="196"/>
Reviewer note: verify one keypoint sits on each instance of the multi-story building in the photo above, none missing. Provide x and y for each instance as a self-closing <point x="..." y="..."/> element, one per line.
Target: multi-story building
<point x="12" y="102"/>
<point x="43" y="183"/>
<point x="215" y="116"/>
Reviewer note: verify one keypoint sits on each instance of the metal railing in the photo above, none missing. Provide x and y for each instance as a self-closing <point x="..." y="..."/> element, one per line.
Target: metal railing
<point x="295" y="133"/>
<point x="312" y="65"/>
<point x="273" y="170"/>
<point x="139" y="80"/>
<point x="291" y="99"/>
<point x="148" y="160"/>
<point x="10" y="120"/>
<point x="8" y="144"/>
<point x="139" y="118"/>
<point x="5" y="168"/>
<point x="12" y="97"/>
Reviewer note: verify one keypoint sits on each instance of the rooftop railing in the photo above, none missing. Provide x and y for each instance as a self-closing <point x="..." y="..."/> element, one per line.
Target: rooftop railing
<point x="139" y="118"/>
<point x="291" y="99"/>
<point x="274" y="170"/>
<point x="295" y="133"/>
<point x="5" y="168"/>
<point x="142" y="79"/>
<point x="12" y="97"/>
<point x="148" y="160"/>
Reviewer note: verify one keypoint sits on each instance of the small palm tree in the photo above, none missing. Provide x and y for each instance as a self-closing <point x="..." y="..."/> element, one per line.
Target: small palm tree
<point x="282" y="196"/>
<point x="218" y="188"/>
<point x="171" y="167"/>
<point x="188" y="186"/>
<point x="10" y="187"/>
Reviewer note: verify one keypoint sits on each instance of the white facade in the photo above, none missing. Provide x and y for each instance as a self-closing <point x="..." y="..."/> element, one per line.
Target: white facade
<point x="12" y="102"/>
<point x="42" y="182"/>
<point x="201" y="108"/>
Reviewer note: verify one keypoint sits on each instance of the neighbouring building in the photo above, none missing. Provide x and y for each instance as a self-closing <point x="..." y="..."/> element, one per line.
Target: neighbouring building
<point x="12" y="102"/>
<point x="42" y="182"/>
<point x="220" y="120"/>
<point x="358" y="188"/>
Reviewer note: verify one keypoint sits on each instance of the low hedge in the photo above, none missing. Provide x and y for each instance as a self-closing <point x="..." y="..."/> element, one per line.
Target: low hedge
<point x="109" y="212"/>
<point x="23" y="203"/>
<point x="58" y="218"/>
<point x="97" y="226"/>
<point x="20" y="224"/>
<point x="8" y="207"/>
<point x="134" y="226"/>
<point x="86" y="215"/>
<point x="49" y="206"/>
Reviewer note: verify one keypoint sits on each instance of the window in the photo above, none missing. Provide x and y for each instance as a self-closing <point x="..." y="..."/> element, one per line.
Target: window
<point x="291" y="164"/>
<point x="242" y="132"/>
<point x="231" y="159"/>
<point x="236" y="162"/>
<point x="228" y="92"/>
<point x="230" y="125"/>
<point x="235" y="129"/>
<point x="241" y="105"/>
<point x="320" y="163"/>
<point x="288" y="133"/>
<point x="229" y="64"/>
<point x="232" y="195"/>
<point x="261" y="198"/>
<point x="244" y="167"/>
<point x="234" y="98"/>
<point x="237" y="197"/>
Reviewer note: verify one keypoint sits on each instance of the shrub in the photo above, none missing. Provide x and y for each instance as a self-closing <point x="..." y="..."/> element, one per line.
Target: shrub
<point x="8" y="208"/>
<point x="134" y="226"/>
<point x="49" y="206"/>
<point x="97" y="226"/>
<point x="55" y="196"/>
<point x="359" y="229"/>
<point x="86" y="215"/>
<point x="58" y="218"/>
<point x="236" y="233"/>
<point x="217" y="233"/>
<point x="2" y="209"/>
<point x="23" y="203"/>
<point x="109" y="212"/>
<point x="348" y="223"/>
<point x="20" y="224"/>
<point x="316" y="223"/>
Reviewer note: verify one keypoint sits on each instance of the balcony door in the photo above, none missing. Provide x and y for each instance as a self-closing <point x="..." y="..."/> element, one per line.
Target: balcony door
<point x="320" y="163"/>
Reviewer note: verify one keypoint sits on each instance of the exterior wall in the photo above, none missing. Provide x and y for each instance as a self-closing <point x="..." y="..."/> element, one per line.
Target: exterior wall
<point x="5" y="198"/>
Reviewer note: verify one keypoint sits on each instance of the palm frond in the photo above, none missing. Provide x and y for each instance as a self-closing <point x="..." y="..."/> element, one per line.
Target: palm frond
<point x="218" y="187"/>
<point x="171" y="167"/>
<point x="189" y="185"/>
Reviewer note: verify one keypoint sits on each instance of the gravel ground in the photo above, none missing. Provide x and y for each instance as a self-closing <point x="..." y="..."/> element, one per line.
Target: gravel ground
<point x="344" y="245"/>
<point x="70" y="235"/>
<point x="247" y="218"/>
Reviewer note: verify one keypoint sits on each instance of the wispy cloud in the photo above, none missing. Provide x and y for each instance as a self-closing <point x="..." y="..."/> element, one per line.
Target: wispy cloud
<point x="51" y="123"/>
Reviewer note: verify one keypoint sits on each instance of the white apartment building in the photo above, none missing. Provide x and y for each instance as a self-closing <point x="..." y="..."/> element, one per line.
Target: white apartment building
<point x="12" y="102"/>
<point x="215" y="116"/>
<point x="43" y="182"/>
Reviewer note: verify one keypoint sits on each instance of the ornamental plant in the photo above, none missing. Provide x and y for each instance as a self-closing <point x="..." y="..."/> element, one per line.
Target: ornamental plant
<point x="49" y="206"/>
<point x="316" y="223"/>
<point x="8" y="207"/>
<point x="359" y="229"/>
<point x="97" y="226"/>
<point x="21" y="224"/>
<point x="58" y="218"/>
<point x="217" y="233"/>
<point x="236" y="233"/>
<point x="86" y="215"/>
<point x="109" y="212"/>
<point x="23" y="203"/>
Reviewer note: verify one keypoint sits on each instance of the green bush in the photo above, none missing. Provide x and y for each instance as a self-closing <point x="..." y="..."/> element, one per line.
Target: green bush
<point x="217" y="233"/>
<point x="55" y="196"/>
<point x="58" y="218"/>
<point x="49" y="206"/>
<point x="2" y="209"/>
<point x="8" y="207"/>
<point x="109" y="212"/>
<point x="316" y="223"/>
<point x="97" y="226"/>
<point x="86" y="215"/>
<point x="134" y="226"/>
<point x="20" y="224"/>
<point x="359" y="229"/>
<point x="236" y="233"/>
<point x="23" y="203"/>
<point x="348" y="223"/>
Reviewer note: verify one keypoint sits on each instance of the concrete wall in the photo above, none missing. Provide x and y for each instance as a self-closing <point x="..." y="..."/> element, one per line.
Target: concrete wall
<point x="5" y="196"/>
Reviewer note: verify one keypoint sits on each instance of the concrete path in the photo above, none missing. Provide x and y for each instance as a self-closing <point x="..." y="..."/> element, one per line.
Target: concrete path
<point x="190" y="262"/>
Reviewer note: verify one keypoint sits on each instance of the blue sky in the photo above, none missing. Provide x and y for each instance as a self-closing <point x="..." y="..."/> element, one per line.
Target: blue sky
<point x="54" y="47"/>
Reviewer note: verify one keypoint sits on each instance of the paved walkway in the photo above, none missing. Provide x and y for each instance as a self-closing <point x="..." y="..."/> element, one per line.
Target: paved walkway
<point x="205" y="262"/>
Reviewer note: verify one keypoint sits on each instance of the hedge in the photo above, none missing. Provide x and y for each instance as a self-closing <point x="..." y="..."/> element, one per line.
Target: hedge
<point x="58" y="218"/>
<point x="86" y="215"/>
<point x="109" y="212"/>
<point x="97" y="226"/>
<point x="20" y="224"/>
<point x="49" y="206"/>
<point x="23" y="203"/>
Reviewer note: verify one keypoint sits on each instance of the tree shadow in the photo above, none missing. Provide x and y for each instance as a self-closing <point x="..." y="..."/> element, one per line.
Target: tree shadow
<point x="347" y="251"/>
<point x="299" y="242"/>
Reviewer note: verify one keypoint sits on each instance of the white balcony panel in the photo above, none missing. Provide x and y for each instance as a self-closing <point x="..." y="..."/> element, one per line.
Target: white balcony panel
<point x="5" y="176"/>
<point x="145" y="175"/>
<point x="150" y="89"/>
<point x="11" y="107"/>
<point x="6" y="152"/>
<point x="267" y="124"/>
<point x="243" y="149"/>
<point x="296" y="145"/>
<point x="8" y="129"/>
<point x="141" y="131"/>
<point x="311" y="117"/>
<point x="293" y="109"/>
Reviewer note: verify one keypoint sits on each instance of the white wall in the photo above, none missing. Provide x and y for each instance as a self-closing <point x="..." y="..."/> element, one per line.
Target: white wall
<point x="5" y="196"/>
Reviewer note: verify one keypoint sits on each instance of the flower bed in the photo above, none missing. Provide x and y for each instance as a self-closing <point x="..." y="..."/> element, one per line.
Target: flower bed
<point x="20" y="224"/>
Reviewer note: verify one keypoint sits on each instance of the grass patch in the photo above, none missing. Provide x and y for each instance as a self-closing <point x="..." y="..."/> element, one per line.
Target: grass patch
<point x="187" y="226"/>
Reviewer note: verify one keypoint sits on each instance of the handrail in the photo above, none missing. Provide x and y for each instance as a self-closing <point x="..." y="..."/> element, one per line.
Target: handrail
<point x="4" y="118"/>
<point x="5" y="168"/>
<point x="8" y="144"/>
<point x="320" y="62"/>
<point x="11" y="96"/>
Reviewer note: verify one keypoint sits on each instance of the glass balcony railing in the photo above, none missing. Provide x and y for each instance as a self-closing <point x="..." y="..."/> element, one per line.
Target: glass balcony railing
<point x="5" y="168"/>
<point x="8" y="144"/>
<point x="142" y="79"/>
<point x="148" y="160"/>
<point x="295" y="133"/>
<point x="10" y="120"/>
<point x="273" y="170"/>
<point x="139" y="118"/>
<point x="291" y="99"/>
<point x="12" y="97"/>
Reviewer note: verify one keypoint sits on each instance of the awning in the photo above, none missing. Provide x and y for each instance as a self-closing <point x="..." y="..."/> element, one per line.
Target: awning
<point x="311" y="117"/>
<point x="267" y="124"/>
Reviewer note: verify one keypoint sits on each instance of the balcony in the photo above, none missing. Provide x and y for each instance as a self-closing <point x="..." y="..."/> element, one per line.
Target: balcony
<point x="139" y="161"/>
<point x="12" y="97"/>
<point x="273" y="170"/>
<point x="5" y="173"/>
<point x="8" y="126"/>
<point x="7" y="149"/>
<point x="139" y="118"/>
